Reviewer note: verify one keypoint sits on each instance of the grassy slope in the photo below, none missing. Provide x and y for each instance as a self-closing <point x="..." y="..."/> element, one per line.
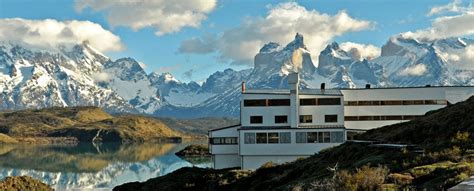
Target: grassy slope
<point x="439" y="168"/>
<point x="84" y="124"/>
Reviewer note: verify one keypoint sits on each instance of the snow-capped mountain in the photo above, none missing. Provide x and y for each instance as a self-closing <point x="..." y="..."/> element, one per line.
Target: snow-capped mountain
<point x="31" y="79"/>
<point x="83" y="76"/>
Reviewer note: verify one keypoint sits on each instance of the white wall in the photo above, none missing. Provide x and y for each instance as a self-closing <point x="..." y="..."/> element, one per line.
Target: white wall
<point x="226" y="161"/>
<point x="432" y="93"/>
<point x="457" y="94"/>
<point x="224" y="149"/>
<point x="268" y="113"/>
<point x="318" y="112"/>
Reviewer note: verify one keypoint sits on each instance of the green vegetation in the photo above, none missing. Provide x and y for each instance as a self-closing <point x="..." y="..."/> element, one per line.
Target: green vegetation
<point x="445" y="134"/>
<point x="20" y="183"/>
<point x="83" y="124"/>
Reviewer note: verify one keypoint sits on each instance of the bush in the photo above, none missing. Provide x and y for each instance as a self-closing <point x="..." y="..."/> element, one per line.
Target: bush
<point x="364" y="178"/>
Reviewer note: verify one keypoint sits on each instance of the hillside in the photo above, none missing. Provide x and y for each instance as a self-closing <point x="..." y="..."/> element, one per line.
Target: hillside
<point x="83" y="124"/>
<point x="199" y="126"/>
<point x="446" y="161"/>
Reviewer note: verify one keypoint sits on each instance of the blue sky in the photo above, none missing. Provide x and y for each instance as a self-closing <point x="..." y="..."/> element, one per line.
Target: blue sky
<point x="160" y="53"/>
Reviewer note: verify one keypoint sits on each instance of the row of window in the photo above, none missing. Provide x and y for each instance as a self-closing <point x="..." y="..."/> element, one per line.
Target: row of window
<point x="286" y="102"/>
<point x="320" y="137"/>
<point x="284" y="119"/>
<point x="223" y="141"/>
<point x="267" y="138"/>
<point x="301" y="137"/>
<point x="396" y="102"/>
<point x="381" y="118"/>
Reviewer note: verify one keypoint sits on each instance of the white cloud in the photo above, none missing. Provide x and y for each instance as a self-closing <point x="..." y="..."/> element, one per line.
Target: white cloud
<point x="446" y="27"/>
<point x="163" y="15"/>
<point x="100" y="77"/>
<point x="50" y="34"/>
<point x="282" y="22"/>
<point x="361" y="51"/>
<point x="416" y="70"/>
<point x="454" y="7"/>
<point x="461" y="58"/>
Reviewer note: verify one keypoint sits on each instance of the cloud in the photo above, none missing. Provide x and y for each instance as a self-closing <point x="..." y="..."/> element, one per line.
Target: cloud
<point x="458" y="25"/>
<point x="416" y="70"/>
<point x="446" y="27"/>
<point x="100" y="77"/>
<point x="164" y="16"/>
<point x="461" y="58"/>
<point x="361" y="51"/>
<point x="50" y="34"/>
<point x="204" y="45"/>
<point x="453" y="7"/>
<point x="281" y="23"/>
<point x="188" y="74"/>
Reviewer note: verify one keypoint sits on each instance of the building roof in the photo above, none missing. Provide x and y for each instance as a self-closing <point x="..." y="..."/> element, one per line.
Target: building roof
<point x="376" y="88"/>
<point x="288" y="127"/>
<point x="221" y="128"/>
<point x="329" y="92"/>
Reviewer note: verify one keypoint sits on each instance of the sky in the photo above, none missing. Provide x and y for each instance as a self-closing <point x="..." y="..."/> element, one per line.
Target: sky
<point x="194" y="38"/>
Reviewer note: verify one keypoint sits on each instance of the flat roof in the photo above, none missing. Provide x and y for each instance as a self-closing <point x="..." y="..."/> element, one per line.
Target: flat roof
<point x="376" y="88"/>
<point x="221" y="128"/>
<point x="329" y="92"/>
<point x="287" y="127"/>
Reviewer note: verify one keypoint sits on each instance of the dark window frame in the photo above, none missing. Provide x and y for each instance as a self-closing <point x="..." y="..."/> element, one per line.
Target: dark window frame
<point x="254" y="117"/>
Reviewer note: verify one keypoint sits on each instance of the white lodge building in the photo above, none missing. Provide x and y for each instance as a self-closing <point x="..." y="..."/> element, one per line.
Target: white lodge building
<point x="285" y="124"/>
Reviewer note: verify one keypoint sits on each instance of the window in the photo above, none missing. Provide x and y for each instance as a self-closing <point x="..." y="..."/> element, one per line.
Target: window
<point x="249" y="138"/>
<point x="307" y="101"/>
<point x="223" y="141"/>
<point x="312" y="137"/>
<point x="256" y="119"/>
<point x="281" y="119"/>
<point x="255" y="102"/>
<point x="273" y="138"/>
<point x="261" y="138"/>
<point x="285" y="137"/>
<point x="330" y="118"/>
<point x="329" y="101"/>
<point x="393" y="102"/>
<point x="301" y="137"/>
<point x="278" y="102"/>
<point x="306" y="118"/>
<point x="337" y="137"/>
<point x="350" y="118"/>
<point x="350" y="103"/>
<point x="324" y="137"/>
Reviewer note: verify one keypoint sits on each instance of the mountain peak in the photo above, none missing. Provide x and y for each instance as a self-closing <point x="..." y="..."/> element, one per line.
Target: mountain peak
<point x="270" y="47"/>
<point x="298" y="42"/>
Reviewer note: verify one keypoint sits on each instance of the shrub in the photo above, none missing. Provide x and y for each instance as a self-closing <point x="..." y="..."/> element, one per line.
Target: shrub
<point x="364" y="178"/>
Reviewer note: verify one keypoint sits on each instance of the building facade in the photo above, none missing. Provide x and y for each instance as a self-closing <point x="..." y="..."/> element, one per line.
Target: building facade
<point x="282" y="125"/>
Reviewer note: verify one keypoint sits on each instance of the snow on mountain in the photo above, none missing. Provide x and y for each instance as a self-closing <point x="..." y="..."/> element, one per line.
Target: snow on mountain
<point x="44" y="79"/>
<point x="83" y="76"/>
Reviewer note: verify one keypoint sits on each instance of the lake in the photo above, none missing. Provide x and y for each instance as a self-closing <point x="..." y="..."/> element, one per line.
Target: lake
<point x="88" y="166"/>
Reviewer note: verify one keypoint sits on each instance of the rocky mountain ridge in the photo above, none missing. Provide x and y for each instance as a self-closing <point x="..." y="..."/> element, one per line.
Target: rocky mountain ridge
<point x="84" y="76"/>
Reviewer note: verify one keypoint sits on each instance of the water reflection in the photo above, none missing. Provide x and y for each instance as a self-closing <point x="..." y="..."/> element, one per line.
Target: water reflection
<point x="92" y="166"/>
